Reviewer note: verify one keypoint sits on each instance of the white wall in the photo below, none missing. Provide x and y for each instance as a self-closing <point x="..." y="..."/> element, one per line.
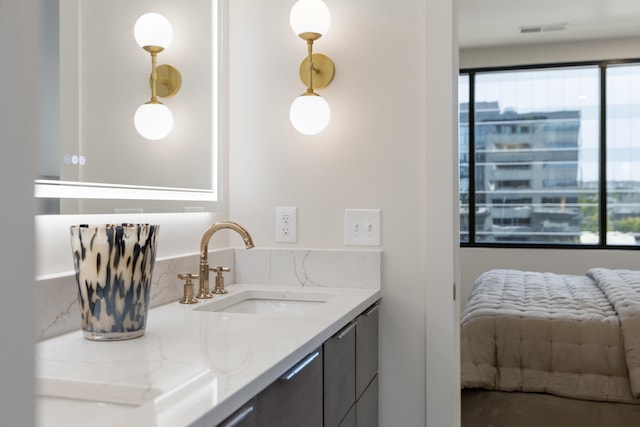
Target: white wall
<point x="21" y="48"/>
<point x="550" y="53"/>
<point x="389" y="145"/>
<point x="474" y="261"/>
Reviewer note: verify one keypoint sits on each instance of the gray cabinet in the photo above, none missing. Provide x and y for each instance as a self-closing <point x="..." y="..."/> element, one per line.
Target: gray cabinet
<point x="334" y="386"/>
<point x="350" y="373"/>
<point x="294" y="399"/>
<point x="366" y="349"/>
<point x="246" y="416"/>
<point x="367" y="368"/>
<point x="339" y="375"/>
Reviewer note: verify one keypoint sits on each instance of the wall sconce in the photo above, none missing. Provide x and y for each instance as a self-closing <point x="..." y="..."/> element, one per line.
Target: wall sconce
<point x="310" y="113"/>
<point x="153" y="120"/>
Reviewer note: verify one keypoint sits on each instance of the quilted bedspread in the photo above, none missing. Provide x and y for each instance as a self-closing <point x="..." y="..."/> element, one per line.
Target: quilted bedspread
<point x="568" y="335"/>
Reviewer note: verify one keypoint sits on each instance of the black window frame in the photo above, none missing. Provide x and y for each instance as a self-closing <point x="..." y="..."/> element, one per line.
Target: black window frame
<point x="602" y="190"/>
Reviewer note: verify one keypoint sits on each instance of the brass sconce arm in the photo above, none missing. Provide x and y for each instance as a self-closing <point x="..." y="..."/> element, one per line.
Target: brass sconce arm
<point x="165" y="80"/>
<point x="316" y="70"/>
<point x="153" y="50"/>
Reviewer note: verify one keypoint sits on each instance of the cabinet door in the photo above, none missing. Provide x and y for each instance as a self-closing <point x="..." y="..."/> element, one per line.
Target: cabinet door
<point x="246" y="416"/>
<point x="367" y="406"/>
<point x="295" y="399"/>
<point x="366" y="348"/>
<point x="339" y="375"/>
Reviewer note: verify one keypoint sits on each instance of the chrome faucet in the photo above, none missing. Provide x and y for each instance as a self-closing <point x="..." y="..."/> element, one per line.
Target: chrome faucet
<point x="204" y="291"/>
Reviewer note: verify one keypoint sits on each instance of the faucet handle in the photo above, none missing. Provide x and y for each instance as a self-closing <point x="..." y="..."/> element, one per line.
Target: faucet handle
<point x="188" y="297"/>
<point x="219" y="288"/>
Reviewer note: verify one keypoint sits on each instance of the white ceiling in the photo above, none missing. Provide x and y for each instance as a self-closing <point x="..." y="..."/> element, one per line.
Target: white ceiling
<point x="497" y="22"/>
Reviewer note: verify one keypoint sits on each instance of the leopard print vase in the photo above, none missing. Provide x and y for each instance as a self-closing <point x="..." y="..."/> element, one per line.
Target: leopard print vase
<point x="113" y="267"/>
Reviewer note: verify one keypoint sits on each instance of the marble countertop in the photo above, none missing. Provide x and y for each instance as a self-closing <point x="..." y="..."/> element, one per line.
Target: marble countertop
<point x="190" y="368"/>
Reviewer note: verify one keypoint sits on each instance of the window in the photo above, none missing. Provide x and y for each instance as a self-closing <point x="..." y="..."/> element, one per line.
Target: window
<point x="544" y="162"/>
<point x="623" y="153"/>
<point x="463" y="155"/>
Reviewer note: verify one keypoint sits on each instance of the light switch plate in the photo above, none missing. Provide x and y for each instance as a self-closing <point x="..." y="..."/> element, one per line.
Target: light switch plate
<point x="362" y="227"/>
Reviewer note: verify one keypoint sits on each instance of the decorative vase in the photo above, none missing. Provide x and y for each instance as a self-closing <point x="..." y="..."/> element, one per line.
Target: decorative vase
<point x="113" y="265"/>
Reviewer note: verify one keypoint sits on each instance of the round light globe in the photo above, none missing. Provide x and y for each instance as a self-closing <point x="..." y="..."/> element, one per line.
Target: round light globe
<point x="153" y="121"/>
<point x="153" y="29"/>
<point x="310" y="16"/>
<point x="310" y="114"/>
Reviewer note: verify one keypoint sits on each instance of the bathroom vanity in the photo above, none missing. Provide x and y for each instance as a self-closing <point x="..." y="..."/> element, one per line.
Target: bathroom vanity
<point x="214" y="363"/>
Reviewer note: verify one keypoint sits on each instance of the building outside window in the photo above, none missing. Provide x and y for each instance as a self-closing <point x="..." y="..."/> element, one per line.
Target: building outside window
<point x="532" y="156"/>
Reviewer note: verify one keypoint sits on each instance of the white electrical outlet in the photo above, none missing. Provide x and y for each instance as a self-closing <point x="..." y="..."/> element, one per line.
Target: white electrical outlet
<point x="287" y="225"/>
<point x="362" y="227"/>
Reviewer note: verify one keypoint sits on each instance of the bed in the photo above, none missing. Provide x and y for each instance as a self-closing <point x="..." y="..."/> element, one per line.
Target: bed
<point x="545" y="349"/>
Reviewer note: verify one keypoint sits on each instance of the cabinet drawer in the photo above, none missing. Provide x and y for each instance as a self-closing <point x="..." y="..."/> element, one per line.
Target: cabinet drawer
<point x="339" y="375"/>
<point x="366" y="348"/>
<point x="295" y="399"/>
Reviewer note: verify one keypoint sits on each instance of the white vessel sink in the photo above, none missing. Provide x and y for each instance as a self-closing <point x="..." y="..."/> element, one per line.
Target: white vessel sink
<point x="267" y="302"/>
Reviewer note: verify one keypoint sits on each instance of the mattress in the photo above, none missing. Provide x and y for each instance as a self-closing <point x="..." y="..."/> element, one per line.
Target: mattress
<point x="574" y="336"/>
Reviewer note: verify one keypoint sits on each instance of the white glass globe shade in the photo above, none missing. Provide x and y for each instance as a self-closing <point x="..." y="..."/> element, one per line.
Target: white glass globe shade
<point x="310" y="16"/>
<point x="153" y="121"/>
<point x="310" y="114"/>
<point x="153" y="29"/>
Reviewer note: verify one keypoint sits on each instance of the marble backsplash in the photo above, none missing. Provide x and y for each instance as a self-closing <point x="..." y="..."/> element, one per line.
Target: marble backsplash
<point x="57" y="298"/>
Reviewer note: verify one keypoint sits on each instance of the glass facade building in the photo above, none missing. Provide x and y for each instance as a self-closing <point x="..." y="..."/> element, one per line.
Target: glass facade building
<point x="534" y="166"/>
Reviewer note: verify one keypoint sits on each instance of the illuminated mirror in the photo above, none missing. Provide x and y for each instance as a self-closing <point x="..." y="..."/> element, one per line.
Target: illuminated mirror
<point x="93" y="159"/>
